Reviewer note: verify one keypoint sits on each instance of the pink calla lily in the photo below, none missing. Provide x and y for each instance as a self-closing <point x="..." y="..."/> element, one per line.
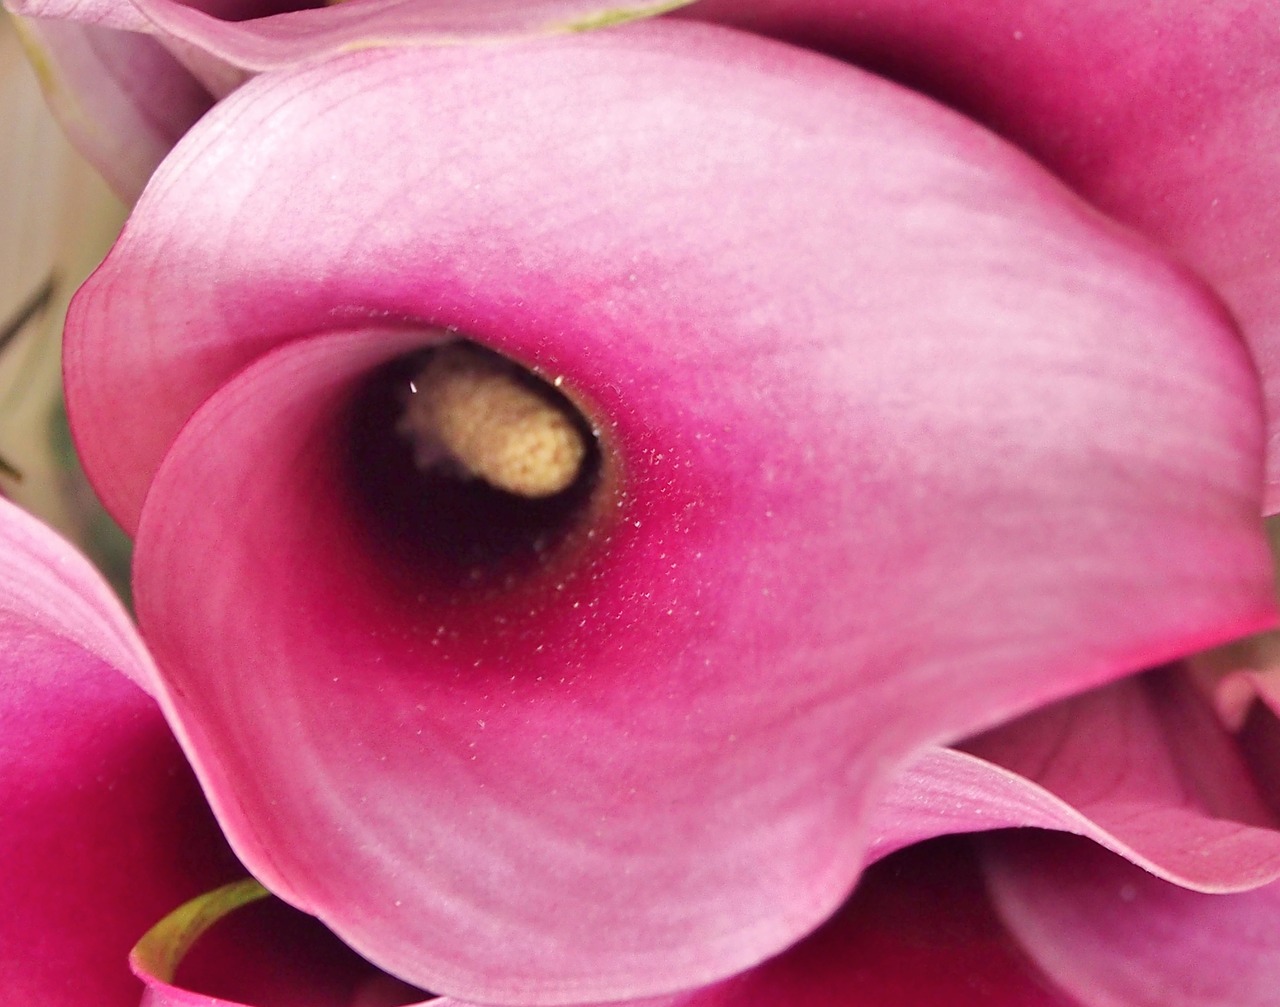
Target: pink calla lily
<point x="105" y="828"/>
<point x="1146" y="769"/>
<point x="1164" y="116"/>
<point x="127" y="79"/>
<point x="919" y="929"/>
<point x="872" y="479"/>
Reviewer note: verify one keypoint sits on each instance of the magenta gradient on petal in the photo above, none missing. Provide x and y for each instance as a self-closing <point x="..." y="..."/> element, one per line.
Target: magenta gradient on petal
<point x="1112" y="935"/>
<point x="103" y="828"/>
<point x="881" y="476"/>
<point x="222" y="42"/>
<point x="1141" y="766"/>
<point x="1166" y="115"/>
<point x="918" y="931"/>
<point x="127" y="78"/>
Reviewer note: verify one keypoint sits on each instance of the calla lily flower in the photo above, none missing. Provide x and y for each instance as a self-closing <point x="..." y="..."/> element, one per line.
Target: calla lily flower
<point x="1027" y="918"/>
<point x="858" y="482"/>
<point x="105" y="828"/>
<point x="1164" y="117"/>
<point x="1146" y="768"/>
<point x="128" y="79"/>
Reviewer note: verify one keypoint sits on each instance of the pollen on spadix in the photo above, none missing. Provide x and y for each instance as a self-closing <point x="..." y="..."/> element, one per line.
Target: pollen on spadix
<point x="473" y="411"/>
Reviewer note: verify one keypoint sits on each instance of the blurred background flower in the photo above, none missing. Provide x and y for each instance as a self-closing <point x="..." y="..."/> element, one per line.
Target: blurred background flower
<point x="58" y="219"/>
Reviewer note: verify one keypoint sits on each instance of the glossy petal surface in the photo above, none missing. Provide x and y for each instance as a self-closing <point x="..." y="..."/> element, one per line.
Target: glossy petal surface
<point x="853" y="428"/>
<point x="1165" y="115"/>
<point x="1114" y="936"/>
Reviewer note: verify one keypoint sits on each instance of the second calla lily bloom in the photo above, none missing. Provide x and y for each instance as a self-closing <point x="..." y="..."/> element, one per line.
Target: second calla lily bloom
<point x="889" y="438"/>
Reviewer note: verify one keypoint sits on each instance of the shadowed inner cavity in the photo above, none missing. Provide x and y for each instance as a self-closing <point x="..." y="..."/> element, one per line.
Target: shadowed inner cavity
<point x="468" y="468"/>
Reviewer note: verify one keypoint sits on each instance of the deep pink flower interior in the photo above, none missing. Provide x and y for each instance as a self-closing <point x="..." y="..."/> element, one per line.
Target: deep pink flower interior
<point x="104" y="826"/>
<point x="835" y="437"/>
<point x="830" y="439"/>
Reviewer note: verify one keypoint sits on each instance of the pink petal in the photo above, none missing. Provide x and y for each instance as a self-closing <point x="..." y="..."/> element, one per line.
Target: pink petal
<point x="919" y="930"/>
<point x="125" y="97"/>
<point x="50" y="593"/>
<point x="1141" y="766"/>
<point x="104" y="828"/>
<point x="224" y="39"/>
<point x="252" y="36"/>
<point x="99" y="13"/>
<point x="223" y="42"/>
<point x="123" y="100"/>
<point x="1111" y="934"/>
<point x="919" y="431"/>
<point x="1166" y="115"/>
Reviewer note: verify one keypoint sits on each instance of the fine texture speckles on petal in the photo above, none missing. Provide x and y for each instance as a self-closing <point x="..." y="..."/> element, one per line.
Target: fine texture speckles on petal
<point x="792" y="398"/>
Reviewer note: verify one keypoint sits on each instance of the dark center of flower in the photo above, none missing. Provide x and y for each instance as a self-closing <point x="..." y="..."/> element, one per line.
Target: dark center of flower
<point x="479" y="414"/>
<point x="469" y="464"/>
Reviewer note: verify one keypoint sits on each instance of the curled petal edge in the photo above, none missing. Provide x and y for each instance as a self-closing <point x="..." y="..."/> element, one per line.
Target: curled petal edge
<point x="160" y="951"/>
<point x="964" y="793"/>
<point x="121" y="98"/>
<point x="47" y="583"/>
<point x="222" y="52"/>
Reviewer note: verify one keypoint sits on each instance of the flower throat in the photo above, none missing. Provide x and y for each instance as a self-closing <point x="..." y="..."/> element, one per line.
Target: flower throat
<point x="470" y="466"/>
